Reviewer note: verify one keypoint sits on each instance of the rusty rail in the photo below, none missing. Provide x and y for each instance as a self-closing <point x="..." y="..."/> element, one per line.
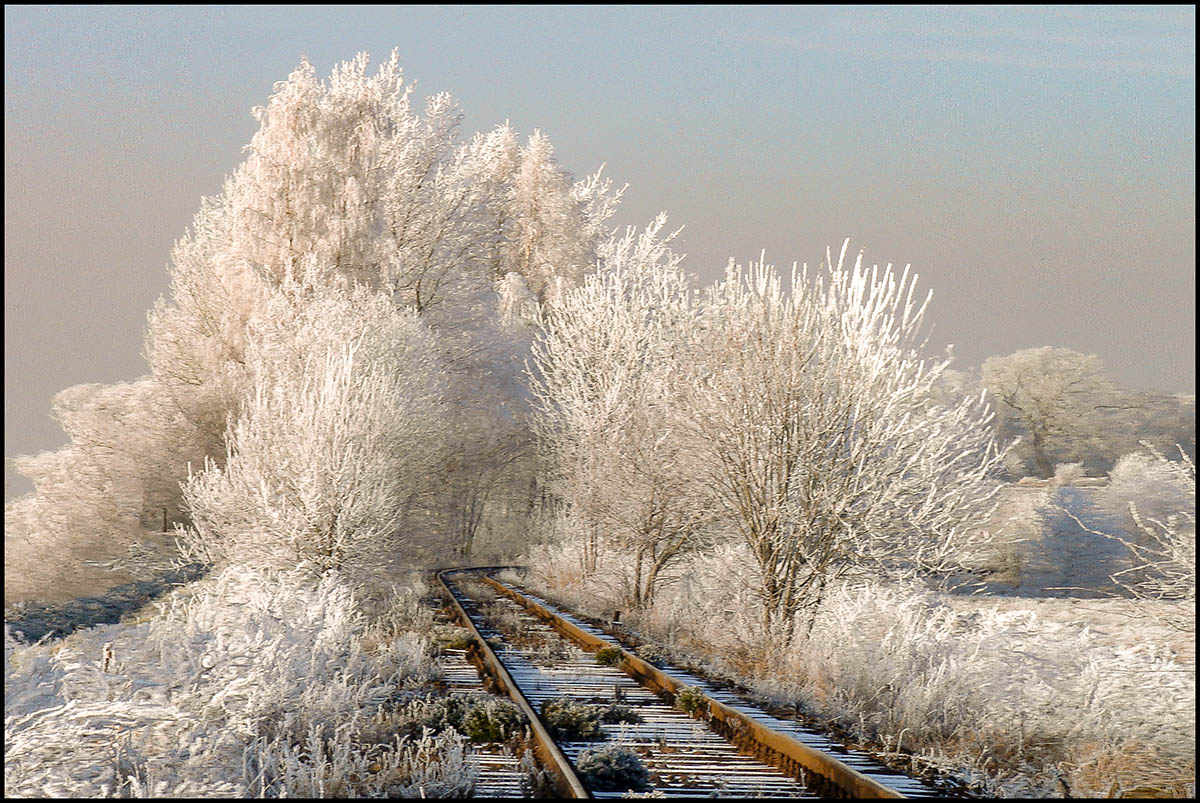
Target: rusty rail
<point x="569" y="785"/>
<point x="777" y="748"/>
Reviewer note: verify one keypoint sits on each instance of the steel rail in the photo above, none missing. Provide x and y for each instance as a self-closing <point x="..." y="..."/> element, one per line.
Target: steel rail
<point x="552" y="757"/>
<point x="776" y="748"/>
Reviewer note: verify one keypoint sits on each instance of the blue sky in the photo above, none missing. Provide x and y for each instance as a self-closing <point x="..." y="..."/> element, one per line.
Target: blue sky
<point x="1036" y="165"/>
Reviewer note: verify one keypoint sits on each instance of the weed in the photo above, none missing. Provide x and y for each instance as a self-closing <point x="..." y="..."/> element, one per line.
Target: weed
<point x="650" y="654"/>
<point x="613" y="768"/>
<point x="480" y="718"/>
<point x="617" y="713"/>
<point x="690" y="700"/>
<point x="492" y="719"/>
<point x="571" y="720"/>
<point x="609" y="656"/>
<point x="450" y="637"/>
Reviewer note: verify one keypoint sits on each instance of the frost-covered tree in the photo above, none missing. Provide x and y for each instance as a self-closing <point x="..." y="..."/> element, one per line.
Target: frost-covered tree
<point x="805" y="421"/>
<point x="611" y="357"/>
<point x="348" y="179"/>
<point x="335" y="445"/>
<point x="543" y="207"/>
<point x="1117" y="421"/>
<point x="347" y="175"/>
<point x="196" y="341"/>
<point x="104" y="501"/>
<point x="1052" y="397"/>
<point x="822" y="435"/>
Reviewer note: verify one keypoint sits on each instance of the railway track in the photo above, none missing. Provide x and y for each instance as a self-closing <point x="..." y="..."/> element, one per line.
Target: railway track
<point x="500" y="772"/>
<point x="537" y="653"/>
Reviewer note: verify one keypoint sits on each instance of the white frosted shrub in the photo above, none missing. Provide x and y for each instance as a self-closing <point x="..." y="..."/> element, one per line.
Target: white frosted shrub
<point x="243" y="684"/>
<point x="261" y="639"/>
<point x="1157" y="486"/>
<point x="1067" y="474"/>
<point x="335" y="442"/>
<point x="1032" y="694"/>
<point x="320" y="766"/>
<point x="1159" y="501"/>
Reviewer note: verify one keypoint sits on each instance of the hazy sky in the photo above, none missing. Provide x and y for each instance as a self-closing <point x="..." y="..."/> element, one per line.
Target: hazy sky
<point x="1036" y="166"/>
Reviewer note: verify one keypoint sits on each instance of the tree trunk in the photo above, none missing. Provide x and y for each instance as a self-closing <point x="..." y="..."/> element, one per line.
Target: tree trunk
<point x="1040" y="458"/>
<point x="638" y="599"/>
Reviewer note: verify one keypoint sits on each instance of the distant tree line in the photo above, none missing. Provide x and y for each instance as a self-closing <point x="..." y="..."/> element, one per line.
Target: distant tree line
<point x="1067" y="409"/>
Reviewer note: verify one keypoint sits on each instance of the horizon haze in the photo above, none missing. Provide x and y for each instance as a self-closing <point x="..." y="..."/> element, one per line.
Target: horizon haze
<point x="1035" y="166"/>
